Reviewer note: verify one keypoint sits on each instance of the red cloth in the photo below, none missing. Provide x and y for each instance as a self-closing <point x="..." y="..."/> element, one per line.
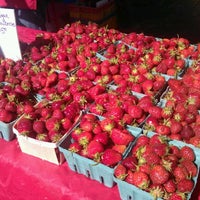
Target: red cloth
<point x="22" y="4"/>
<point x="27" y="35"/>
<point x="24" y="177"/>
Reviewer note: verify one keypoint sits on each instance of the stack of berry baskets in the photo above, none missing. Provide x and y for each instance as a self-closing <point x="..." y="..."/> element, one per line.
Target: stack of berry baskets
<point x="40" y="132"/>
<point x="95" y="146"/>
<point x="157" y="168"/>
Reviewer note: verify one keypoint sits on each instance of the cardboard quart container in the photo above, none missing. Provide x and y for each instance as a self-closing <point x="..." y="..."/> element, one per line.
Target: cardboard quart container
<point x="47" y="151"/>
<point x="91" y="169"/>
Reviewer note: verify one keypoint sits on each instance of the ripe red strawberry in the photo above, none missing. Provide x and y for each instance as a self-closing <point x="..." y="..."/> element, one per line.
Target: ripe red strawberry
<point x="175" y="127"/>
<point x="25" y="126"/>
<point x="195" y="141"/>
<point x="86" y="125"/>
<point x="185" y="185"/>
<point x="135" y="111"/>
<point x="58" y="114"/>
<point x="180" y="173"/>
<point x="162" y="129"/>
<point x="187" y="152"/>
<point x="177" y="196"/>
<point x="121" y="148"/>
<point x="75" y="147"/>
<point x="94" y="150"/>
<point x="129" y="177"/>
<point x="107" y="124"/>
<point x="170" y="186"/>
<point x="159" y="175"/>
<point x="84" y="138"/>
<point x="43" y="137"/>
<point x="53" y="123"/>
<point x="190" y="166"/>
<point x="39" y="126"/>
<point x="66" y="123"/>
<point x="142" y="140"/>
<point x="155" y="111"/>
<point x="120" y="172"/>
<point x="130" y="162"/>
<point x="55" y="135"/>
<point x="110" y="157"/>
<point x="6" y="116"/>
<point x="140" y="180"/>
<point x="167" y="112"/>
<point x="121" y="137"/>
<point x="148" y="157"/>
<point x="102" y="137"/>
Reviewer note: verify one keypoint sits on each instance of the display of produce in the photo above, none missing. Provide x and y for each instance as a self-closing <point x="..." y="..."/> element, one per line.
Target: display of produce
<point x="97" y="92"/>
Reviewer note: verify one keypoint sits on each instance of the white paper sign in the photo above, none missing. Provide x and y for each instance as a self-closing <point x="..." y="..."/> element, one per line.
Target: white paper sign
<point x="9" y="42"/>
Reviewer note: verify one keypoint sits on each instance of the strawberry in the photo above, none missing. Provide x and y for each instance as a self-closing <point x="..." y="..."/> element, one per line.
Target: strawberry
<point x="190" y="166"/>
<point x="185" y="185"/>
<point x="187" y="153"/>
<point x="195" y="140"/>
<point x="177" y="196"/>
<point x="39" y="126"/>
<point x="129" y="177"/>
<point x="121" y="137"/>
<point x="66" y="124"/>
<point x="84" y="138"/>
<point x="157" y="191"/>
<point x="175" y="127"/>
<point x="86" y="125"/>
<point x="148" y="157"/>
<point x="140" y="180"/>
<point x="94" y="150"/>
<point x="135" y="111"/>
<point x="187" y="132"/>
<point x="25" y="126"/>
<point x="121" y="148"/>
<point x="53" y="123"/>
<point x="55" y="135"/>
<point x="180" y="173"/>
<point x="6" y="116"/>
<point x="107" y="124"/>
<point x="162" y="129"/>
<point x="102" y="137"/>
<point x="110" y="157"/>
<point x="120" y="172"/>
<point x="155" y="111"/>
<point x="42" y="137"/>
<point x="170" y="186"/>
<point x="130" y="162"/>
<point x="159" y="175"/>
<point x="75" y="147"/>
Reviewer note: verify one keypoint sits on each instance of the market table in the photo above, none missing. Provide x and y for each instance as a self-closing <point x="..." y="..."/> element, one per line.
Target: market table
<point x="24" y="177"/>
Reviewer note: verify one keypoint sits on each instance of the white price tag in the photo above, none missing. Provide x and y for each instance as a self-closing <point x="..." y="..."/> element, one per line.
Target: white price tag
<point x="9" y="42"/>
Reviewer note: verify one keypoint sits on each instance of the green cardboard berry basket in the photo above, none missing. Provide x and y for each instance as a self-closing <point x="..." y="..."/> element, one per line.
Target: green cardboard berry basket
<point x="130" y="192"/>
<point x="89" y="168"/>
<point x="6" y="131"/>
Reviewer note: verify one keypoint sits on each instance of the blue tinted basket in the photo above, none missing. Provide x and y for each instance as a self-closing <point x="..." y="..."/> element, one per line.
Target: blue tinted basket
<point x="130" y="192"/>
<point x="89" y="168"/>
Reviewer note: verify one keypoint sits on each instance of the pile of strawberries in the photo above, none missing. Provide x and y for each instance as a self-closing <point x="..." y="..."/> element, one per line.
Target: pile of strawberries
<point x="128" y="79"/>
<point x="161" y="168"/>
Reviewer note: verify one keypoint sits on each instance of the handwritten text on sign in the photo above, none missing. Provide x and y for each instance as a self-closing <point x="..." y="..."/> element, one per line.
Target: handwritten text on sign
<point x="9" y="42"/>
